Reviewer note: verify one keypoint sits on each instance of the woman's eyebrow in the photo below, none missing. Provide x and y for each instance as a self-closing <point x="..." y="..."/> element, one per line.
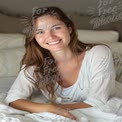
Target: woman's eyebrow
<point x="55" y="25"/>
<point x="39" y="29"/>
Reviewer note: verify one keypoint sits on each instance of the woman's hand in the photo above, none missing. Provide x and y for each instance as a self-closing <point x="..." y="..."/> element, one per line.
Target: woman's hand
<point x="58" y="109"/>
<point x="63" y="109"/>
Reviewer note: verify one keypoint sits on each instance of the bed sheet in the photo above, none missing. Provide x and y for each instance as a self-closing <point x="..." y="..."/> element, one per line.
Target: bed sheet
<point x="111" y="112"/>
<point x="94" y="114"/>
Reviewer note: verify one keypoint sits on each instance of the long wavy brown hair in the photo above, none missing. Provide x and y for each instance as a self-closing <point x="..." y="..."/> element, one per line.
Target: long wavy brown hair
<point x="45" y="71"/>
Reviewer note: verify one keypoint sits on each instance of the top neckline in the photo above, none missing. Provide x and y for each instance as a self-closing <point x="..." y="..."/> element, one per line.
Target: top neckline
<point x="81" y="66"/>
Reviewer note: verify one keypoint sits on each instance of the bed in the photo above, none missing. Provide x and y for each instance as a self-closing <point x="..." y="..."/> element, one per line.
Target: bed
<point x="12" y="51"/>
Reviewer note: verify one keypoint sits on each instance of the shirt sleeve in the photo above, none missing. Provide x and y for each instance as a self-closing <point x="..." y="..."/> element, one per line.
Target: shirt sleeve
<point x="102" y="75"/>
<point x="22" y="88"/>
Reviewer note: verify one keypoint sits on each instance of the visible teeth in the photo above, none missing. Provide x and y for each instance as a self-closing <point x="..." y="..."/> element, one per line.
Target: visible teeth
<point x="56" y="42"/>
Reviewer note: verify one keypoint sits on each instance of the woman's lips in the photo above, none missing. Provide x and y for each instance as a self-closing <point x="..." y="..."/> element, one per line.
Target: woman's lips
<point x="54" y="42"/>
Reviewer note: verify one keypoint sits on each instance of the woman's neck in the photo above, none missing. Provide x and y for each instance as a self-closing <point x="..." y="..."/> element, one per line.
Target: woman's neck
<point x="63" y="56"/>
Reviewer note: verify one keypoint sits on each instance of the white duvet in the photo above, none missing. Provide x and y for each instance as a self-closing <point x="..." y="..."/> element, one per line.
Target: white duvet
<point x="111" y="112"/>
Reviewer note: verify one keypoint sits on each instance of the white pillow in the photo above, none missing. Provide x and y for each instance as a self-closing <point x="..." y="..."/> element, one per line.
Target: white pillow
<point x="9" y="40"/>
<point x="118" y="65"/>
<point x="97" y="36"/>
<point x="10" y="61"/>
<point x="6" y="82"/>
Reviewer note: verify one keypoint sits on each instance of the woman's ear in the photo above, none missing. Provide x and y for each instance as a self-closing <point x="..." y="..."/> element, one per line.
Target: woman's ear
<point x="70" y="30"/>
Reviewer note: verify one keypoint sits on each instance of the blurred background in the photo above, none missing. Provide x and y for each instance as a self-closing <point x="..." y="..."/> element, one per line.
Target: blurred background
<point x="21" y="7"/>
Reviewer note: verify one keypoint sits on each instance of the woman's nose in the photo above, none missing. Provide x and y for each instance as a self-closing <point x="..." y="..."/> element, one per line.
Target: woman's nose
<point x="49" y="33"/>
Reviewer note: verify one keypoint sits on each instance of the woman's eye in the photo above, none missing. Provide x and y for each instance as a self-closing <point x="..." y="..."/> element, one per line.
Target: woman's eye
<point x="39" y="32"/>
<point x="56" y="28"/>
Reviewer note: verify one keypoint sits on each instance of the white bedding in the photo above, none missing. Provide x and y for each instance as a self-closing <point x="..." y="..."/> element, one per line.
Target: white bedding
<point x="83" y="115"/>
<point x="5" y="83"/>
<point x="111" y="112"/>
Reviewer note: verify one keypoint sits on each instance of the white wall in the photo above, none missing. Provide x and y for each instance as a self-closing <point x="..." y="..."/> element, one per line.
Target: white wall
<point x="25" y="6"/>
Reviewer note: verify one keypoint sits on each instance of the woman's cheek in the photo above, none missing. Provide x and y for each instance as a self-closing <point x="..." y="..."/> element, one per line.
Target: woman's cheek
<point x="39" y="39"/>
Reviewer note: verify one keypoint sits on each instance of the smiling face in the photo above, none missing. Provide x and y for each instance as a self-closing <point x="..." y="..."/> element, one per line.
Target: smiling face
<point x="51" y="33"/>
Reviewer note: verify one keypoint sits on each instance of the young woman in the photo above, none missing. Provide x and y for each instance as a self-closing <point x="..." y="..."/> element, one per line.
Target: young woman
<point x="70" y="73"/>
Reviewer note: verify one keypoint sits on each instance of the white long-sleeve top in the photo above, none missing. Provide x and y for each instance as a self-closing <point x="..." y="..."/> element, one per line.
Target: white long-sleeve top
<point x="95" y="83"/>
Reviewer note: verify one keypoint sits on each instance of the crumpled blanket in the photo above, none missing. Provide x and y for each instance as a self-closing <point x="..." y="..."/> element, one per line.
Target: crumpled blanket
<point x="50" y="117"/>
<point x="110" y="112"/>
<point x="4" y="118"/>
<point x="83" y="115"/>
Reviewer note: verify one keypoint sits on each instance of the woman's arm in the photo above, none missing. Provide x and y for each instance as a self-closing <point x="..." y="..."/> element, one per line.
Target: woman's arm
<point x="32" y="107"/>
<point x="75" y="106"/>
<point x="29" y="106"/>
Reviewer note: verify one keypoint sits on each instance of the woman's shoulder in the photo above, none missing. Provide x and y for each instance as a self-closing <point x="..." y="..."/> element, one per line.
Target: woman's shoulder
<point x="99" y="53"/>
<point x="28" y="70"/>
<point x="100" y="50"/>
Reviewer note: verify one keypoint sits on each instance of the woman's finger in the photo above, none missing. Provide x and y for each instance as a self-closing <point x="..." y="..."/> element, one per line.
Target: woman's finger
<point x="65" y="113"/>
